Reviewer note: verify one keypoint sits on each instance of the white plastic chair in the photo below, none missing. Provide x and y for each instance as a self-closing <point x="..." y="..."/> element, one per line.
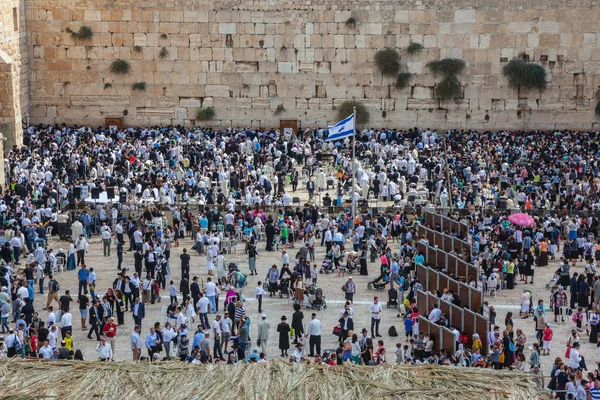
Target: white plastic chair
<point x="233" y="246"/>
<point x="290" y="295"/>
<point x="164" y="313"/>
<point x="60" y="264"/>
<point x="49" y="232"/>
<point x="492" y="287"/>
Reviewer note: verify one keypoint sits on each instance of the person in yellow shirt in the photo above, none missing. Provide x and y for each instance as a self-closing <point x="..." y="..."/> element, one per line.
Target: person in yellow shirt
<point x="68" y="341"/>
<point x="510" y="274"/>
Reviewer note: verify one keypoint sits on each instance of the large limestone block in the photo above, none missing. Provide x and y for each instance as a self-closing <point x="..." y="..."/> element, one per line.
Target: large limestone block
<point x="465" y="16"/>
<point x="92" y="15"/>
<point x="227" y="28"/>
<point x="217" y="90"/>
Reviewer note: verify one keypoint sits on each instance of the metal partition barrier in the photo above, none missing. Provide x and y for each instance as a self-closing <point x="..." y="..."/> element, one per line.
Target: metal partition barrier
<point x="466" y="321"/>
<point x="445" y="223"/>
<point x="433" y="280"/>
<point x="457" y="268"/>
<point x="445" y="242"/>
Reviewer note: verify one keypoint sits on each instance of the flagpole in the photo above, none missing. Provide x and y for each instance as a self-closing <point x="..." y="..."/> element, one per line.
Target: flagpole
<point x="353" y="166"/>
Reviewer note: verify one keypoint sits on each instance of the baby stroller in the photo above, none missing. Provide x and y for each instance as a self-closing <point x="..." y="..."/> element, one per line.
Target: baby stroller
<point x="392" y="298"/>
<point x="327" y="265"/>
<point x="283" y="287"/>
<point x="319" y="300"/>
<point x="380" y="282"/>
<point x="352" y="264"/>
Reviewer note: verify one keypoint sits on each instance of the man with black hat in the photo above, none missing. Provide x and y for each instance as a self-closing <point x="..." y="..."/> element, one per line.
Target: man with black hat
<point x="195" y="292"/>
<point x="284" y="336"/>
<point x="297" y="355"/>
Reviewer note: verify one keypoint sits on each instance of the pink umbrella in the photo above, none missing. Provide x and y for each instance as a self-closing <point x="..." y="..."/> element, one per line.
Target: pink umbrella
<point x="521" y="219"/>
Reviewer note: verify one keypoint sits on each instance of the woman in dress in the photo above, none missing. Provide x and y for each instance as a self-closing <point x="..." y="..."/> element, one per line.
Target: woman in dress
<point x="71" y="256"/>
<point x="299" y="291"/>
<point x="190" y="313"/>
<point x="210" y="265"/>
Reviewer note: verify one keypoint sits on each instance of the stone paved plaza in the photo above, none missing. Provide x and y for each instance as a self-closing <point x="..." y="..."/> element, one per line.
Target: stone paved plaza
<point x="276" y="307"/>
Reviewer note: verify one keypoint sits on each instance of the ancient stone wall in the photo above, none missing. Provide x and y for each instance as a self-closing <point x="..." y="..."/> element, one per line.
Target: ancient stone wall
<point x="14" y="93"/>
<point x="260" y="61"/>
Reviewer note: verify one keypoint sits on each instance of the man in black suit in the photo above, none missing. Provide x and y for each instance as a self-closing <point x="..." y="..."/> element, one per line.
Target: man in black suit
<point x="185" y="264"/>
<point x="310" y="187"/>
<point x="347" y="324"/>
<point x="270" y="232"/>
<point x="195" y="292"/>
<point x="28" y="310"/>
<point x="139" y="312"/>
<point x="96" y="315"/>
<point x="138" y="258"/>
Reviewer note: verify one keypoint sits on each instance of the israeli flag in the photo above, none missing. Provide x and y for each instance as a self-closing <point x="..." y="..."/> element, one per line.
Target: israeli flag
<point x="342" y="129"/>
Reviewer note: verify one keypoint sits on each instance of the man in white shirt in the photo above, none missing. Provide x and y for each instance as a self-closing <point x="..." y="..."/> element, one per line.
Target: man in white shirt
<point x="216" y="330"/>
<point x="376" y="310"/>
<point x="297" y="355"/>
<point x="435" y="314"/>
<point x="104" y="350"/>
<point x="314" y="335"/>
<point x="202" y="306"/>
<point x="106" y="234"/>
<point x="138" y="239"/>
<point x="22" y="293"/>
<point x="66" y="321"/>
<point x="180" y="318"/>
<point x="46" y="351"/>
<point x="81" y="245"/>
<point x="52" y="336"/>
<point x="211" y="293"/>
<point x="226" y="324"/>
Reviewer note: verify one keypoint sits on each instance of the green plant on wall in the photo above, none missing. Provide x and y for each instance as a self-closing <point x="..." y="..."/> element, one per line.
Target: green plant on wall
<point x="447" y="66"/>
<point x="521" y="73"/>
<point x="84" y="33"/>
<point x="137" y="49"/>
<point x="107" y="85"/>
<point x="403" y="80"/>
<point x="449" y="88"/>
<point x="120" y="67"/>
<point x="140" y="86"/>
<point x="205" y="114"/>
<point x="414" y="48"/>
<point x="351" y="23"/>
<point x="450" y="68"/>
<point x="280" y="108"/>
<point x="163" y="53"/>
<point x="387" y="62"/>
<point x="164" y="36"/>
<point x="347" y="108"/>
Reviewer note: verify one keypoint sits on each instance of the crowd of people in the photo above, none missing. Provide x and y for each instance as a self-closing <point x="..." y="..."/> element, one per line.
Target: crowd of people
<point x="237" y="186"/>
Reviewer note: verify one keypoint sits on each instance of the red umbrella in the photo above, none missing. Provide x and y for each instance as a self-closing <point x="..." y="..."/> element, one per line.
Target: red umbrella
<point x="521" y="219"/>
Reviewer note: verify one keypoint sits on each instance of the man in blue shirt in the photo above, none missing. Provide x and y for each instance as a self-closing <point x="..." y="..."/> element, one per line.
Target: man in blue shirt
<point x="595" y="391"/>
<point x="83" y="275"/>
<point x="198" y="337"/>
<point x="394" y="275"/>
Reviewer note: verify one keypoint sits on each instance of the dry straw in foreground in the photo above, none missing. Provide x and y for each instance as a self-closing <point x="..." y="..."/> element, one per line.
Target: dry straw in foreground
<point x="272" y="381"/>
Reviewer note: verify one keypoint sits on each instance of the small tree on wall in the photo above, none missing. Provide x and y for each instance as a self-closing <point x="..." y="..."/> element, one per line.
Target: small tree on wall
<point x="521" y="73"/>
<point x="450" y="68"/>
<point x="387" y="62"/>
<point x="347" y="108"/>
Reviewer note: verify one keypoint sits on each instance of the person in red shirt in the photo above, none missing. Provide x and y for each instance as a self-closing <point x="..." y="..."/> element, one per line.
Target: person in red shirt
<point x="546" y="339"/>
<point x="110" y="331"/>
